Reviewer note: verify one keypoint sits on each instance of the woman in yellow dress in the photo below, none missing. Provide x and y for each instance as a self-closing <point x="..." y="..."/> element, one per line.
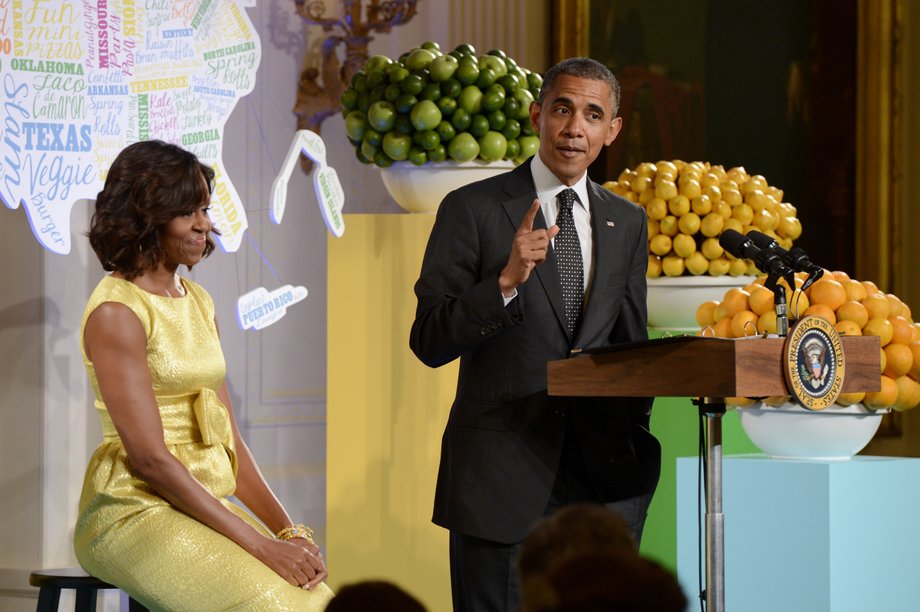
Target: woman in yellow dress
<point x="155" y="518"/>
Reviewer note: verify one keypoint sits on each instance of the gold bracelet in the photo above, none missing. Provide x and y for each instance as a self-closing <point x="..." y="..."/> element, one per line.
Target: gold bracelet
<point x="297" y="530"/>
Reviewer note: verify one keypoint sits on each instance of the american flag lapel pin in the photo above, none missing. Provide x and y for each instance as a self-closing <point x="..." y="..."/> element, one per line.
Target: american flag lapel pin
<point x="610" y="223"/>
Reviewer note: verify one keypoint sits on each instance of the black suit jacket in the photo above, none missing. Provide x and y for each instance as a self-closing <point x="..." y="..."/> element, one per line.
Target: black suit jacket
<point x="502" y="445"/>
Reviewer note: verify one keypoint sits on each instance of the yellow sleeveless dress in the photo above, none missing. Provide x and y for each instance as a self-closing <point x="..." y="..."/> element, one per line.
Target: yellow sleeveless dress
<point x="128" y="535"/>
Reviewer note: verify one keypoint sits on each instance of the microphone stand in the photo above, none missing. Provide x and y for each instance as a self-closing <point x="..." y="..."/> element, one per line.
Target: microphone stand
<point x="779" y="304"/>
<point x="712" y="409"/>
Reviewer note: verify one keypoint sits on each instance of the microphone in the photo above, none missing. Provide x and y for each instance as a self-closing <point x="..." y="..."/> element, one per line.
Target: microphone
<point x="795" y="258"/>
<point x="743" y="247"/>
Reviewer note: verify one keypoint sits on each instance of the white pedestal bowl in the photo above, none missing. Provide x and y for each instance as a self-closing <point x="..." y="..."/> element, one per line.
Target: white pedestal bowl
<point x="672" y="301"/>
<point x="790" y="431"/>
<point x="420" y="189"/>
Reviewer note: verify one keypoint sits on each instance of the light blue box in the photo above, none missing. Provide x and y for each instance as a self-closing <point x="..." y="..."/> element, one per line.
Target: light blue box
<point x="808" y="536"/>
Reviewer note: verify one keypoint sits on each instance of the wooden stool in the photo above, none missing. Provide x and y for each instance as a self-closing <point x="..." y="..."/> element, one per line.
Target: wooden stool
<point x="51" y="581"/>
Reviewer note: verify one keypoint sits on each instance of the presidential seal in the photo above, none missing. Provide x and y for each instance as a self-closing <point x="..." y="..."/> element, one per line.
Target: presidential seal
<point x="813" y="363"/>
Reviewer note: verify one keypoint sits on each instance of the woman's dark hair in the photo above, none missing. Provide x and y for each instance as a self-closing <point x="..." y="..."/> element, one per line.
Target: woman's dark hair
<point x="148" y="185"/>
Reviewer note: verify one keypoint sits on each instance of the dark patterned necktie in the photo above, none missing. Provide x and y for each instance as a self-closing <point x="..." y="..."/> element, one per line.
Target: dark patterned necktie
<point x="571" y="266"/>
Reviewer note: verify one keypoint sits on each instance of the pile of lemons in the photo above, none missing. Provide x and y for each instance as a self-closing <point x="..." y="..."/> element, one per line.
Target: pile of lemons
<point x="856" y="308"/>
<point x="689" y="204"/>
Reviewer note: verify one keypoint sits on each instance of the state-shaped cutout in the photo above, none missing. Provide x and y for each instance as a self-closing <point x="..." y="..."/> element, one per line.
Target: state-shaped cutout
<point x="63" y="121"/>
<point x="329" y="193"/>
<point x="260" y="308"/>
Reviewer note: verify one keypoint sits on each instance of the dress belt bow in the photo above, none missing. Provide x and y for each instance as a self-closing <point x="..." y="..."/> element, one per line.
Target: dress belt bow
<point x="214" y="423"/>
<point x="212" y="417"/>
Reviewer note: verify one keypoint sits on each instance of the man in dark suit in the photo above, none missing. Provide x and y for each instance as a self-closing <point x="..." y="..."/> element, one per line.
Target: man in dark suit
<point x="496" y="290"/>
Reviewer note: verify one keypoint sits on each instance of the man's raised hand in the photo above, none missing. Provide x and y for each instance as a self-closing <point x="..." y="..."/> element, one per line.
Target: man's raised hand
<point x="528" y="251"/>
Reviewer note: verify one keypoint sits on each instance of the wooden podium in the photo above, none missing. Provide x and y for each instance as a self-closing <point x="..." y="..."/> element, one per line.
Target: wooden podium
<point x="708" y="369"/>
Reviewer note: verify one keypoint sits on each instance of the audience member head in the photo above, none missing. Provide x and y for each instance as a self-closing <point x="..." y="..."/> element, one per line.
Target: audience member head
<point x="148" y="185"/>
<point x="373" y="595"/>
<point x="570" y="530"/>
<point x="597" y="581"/>
<point x="568" y="533"/>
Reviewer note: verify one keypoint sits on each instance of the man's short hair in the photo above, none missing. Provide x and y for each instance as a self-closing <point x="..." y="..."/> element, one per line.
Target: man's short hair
<point x="585" y="68"/>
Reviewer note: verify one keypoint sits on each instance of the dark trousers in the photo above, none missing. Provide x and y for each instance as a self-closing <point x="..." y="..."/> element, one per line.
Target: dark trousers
<point x="483" y="573"/>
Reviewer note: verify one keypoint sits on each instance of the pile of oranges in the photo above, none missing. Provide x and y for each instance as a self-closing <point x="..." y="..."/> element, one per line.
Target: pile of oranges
<point x="855" y="308"/>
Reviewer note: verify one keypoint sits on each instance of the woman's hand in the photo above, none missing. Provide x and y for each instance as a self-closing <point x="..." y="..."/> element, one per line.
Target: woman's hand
<point x="296" y="560"/>
<point x="314" y="550"/>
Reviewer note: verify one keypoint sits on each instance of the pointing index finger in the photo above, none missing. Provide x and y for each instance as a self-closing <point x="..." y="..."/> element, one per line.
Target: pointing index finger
<point x="527" y="223"/>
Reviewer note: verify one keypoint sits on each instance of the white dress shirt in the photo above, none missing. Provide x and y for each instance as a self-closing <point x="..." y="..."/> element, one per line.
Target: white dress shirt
<point x="548" y="187"/>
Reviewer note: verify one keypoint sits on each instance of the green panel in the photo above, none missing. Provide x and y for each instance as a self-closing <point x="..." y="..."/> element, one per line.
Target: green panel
<point x="675" y="422"/>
